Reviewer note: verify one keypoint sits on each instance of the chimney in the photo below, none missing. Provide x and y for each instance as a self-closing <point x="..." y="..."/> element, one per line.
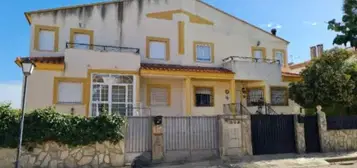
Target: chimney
<point x="320" y="50"/>
<point x="273" y="31"/>
<point x="313" y="52"/>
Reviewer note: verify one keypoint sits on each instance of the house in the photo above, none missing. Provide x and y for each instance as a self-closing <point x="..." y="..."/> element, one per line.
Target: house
<point x="164" y="57"/>
<point x="315" y="52"/>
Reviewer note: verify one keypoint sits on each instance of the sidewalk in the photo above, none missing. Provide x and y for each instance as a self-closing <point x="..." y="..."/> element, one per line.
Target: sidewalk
<point x="277" y="161"/>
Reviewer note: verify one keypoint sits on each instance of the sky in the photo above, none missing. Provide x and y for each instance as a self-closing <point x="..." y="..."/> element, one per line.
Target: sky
<point x="302" y="22"/>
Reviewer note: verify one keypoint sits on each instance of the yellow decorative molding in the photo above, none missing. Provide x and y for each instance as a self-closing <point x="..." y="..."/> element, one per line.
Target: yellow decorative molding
<point x="38" y="28"/>
<point x="181" y="37"/>
<point x="263" y="49"/>
<point x="233" y="91"/>
<point x="195" y="43"/>
<point x="75" y="31"/>
<point x="158" y="39"/>
<point x="286" y="98"/>
<point x="285" y="56"/>
<point x="291" y="79"/>
<point x="195" y="75"/>
<point x="44" y="66"/>
<point x="168" y="15"/>
<point x="56" y="82"/>
<point x="188" y="84"/>
<point x="163" y="86"/>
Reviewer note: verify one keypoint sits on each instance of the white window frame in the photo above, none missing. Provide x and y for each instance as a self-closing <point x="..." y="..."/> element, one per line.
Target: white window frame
<point x="109" y="102"/>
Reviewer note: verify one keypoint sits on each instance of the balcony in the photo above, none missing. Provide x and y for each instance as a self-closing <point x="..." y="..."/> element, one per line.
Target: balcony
<point x="248" y="68"/>
<point x="80" y="57"/>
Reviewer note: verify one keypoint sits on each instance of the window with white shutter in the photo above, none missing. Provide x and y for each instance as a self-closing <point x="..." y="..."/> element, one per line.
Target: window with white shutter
<point x="203" y="52"/>
<point x="259" y="54"/>
<point x="46" y="40"/>
<point x="82" y="40"/>
<point x="70" y="93"/>
<point x="158" y="95"/>
<point x="157" y="50"/>
<point x="279" y="56"/>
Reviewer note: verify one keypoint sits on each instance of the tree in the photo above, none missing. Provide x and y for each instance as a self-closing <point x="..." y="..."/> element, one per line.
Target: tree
<point x="329" y="80"/>
<point x="347" y="29"/>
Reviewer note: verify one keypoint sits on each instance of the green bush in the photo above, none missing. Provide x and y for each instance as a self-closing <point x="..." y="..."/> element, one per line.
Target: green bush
<point x="48" y="125"/>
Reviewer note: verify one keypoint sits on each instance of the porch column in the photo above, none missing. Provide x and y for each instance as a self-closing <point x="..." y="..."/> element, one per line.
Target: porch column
<point x="188" y="95"/>
<point x="137" y="88"/>
<point x="233" y="96"/>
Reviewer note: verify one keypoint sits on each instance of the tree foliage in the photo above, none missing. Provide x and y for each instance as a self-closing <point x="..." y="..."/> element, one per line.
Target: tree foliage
<point x="328" y="80"/>
<point x="44" y="125"/>
<point x="347" y="28"/>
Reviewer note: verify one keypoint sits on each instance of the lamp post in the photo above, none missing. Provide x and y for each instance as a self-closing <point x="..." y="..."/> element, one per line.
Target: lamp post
<point x="27" y="68"/>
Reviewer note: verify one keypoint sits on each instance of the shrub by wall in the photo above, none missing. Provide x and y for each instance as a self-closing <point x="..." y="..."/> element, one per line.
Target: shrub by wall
<point x="44" y="125"/>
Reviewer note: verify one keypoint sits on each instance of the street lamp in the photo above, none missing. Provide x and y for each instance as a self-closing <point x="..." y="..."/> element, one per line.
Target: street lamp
<point x="27" y="69"/>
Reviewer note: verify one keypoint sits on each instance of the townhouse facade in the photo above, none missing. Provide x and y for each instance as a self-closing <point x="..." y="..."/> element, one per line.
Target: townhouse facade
<point x="162" y="57"/>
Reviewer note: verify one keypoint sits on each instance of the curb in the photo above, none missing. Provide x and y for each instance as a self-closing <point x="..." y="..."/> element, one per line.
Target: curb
<point x="341" y="159"/>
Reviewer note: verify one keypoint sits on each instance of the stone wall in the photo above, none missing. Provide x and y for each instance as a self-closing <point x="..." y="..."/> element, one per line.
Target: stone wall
<point x="52" y="155"/>
<point x="299" y="136"/>
<point x="336" y="140"/>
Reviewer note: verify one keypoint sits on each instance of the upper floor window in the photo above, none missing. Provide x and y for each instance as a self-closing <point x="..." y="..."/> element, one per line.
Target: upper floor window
<point x="81" y="38"/>
<point x="279" y="56"/>
<point x="158" y="48"/>
<point x="258" y="54"/>
<point x="204" y="52"/>
<point x="46" y="38"/>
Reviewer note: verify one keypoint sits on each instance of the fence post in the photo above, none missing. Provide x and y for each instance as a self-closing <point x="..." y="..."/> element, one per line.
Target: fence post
<point x="322" y="125"/>
<point x="299" y="135"/>
<point x="157" y="139"/>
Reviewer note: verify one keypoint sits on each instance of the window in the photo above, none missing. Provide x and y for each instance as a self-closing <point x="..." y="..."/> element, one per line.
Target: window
<point x="112" y="94"/>
<point x="68" y="90"/>
<point x="158" y="48"/>
<point x="81" y="38"/>
<point x="203" y="52"/>
<point x="70" y="93"/>
<point x="46" y="38"/>
<point x="279" y="55"/>
<point x="279" y="96"/>
<point x="255" y="96"/>
<point x="158" y="95"/>
<point x="204" y="96"/>
<point x="258" y="54"/>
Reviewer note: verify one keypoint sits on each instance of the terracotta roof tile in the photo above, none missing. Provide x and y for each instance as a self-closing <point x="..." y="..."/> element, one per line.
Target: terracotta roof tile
<point x="170" y="67"/>
<point x="50" y="60"/>
<point x="290" y="74"/>
<point x="299" y="65"/>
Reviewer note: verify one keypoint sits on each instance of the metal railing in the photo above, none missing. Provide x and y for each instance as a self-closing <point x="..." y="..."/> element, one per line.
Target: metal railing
<point x="235" y="108"/>
<point x="102" y="48"/>
<point x="240" y="58"/>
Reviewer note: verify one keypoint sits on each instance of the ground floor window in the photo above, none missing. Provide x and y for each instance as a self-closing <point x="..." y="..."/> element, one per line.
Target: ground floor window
<point x="279" y="96"/>
<point x="112" y="94"/>
<point x="255" y="96"/>
<point x="204" y="96"/>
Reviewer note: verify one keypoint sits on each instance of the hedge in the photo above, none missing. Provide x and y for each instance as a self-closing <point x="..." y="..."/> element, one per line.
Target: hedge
<point x="44" y="125"/>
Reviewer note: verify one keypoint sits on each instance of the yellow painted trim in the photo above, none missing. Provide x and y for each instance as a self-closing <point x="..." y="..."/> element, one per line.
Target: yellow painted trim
<point x="188" y="84"/>
<point x="137" y="88"/>
<point x="195" y="43"/>
<point x="56" y="82"/>
<point x="233" y="91"/>
<point x="255" y="87"/>
<point x="162" y="86"/>
<point x="208" y="87"/>
<point x="263" y="49"/>
<point x="291" y="79"/>
<point x="168" y="15"/>
<point x="286" y="99"/>
<point x="28" y="17"/>
<point x="103" y="71"/>
<point x="181" y="37"/>
<point x="285" y="56"/>
<point x="75" y="31"/>
<point x="195" y="75"/>
<point x="158" y="39"/>
<point x="38" y="28"/>
<point x="44" y="66"/>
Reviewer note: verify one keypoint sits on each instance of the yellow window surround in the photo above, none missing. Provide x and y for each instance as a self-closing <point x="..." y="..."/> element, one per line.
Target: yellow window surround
<point x="158" y="39"/>
<point x="75" y="31"/>
<point x="195" y="43"/>
<point x="259" y="49"/>
<point x="254" y="88"/>
<point x="195" y="87"/>
<point x="57" y="80"/>
<point x="38" y="29"/>
<point x="284" y="54"/>
<point x="286" y="98"/>
<point x="149" y="88"/>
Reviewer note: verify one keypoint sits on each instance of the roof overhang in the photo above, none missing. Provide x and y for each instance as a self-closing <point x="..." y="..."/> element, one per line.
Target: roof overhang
<point x="44" y="66"/>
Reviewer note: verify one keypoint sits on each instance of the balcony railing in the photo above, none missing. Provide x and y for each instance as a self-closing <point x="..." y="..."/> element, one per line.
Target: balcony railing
<point x="102" y="48"/>
<point x="240" y="58"/>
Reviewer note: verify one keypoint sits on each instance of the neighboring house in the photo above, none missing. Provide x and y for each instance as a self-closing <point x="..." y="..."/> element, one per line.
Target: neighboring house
<point x="315" y="52"/>
<point x="164" y="57"/>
